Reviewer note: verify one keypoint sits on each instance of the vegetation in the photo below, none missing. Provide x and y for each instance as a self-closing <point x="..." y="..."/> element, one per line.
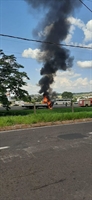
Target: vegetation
<point x="11" y="79"/>
<point x="28" y="117"/>
<point x="67" y="95"/>
<point x="45" y="111"/>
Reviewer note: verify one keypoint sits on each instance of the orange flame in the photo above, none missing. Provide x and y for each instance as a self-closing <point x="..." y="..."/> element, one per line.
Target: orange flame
<point x="46" y="100"/>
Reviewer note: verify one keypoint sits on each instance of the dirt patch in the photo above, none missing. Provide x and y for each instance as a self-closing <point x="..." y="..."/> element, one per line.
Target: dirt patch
<point x="25" y="126"/>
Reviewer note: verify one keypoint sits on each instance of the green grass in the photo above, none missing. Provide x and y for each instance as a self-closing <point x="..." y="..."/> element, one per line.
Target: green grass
<point x="45" y="111"/>
<point x="43" y="115"/>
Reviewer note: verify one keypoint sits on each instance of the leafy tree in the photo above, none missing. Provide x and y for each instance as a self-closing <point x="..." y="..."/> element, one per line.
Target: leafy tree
<point x="39" y="98"/>
<point x="27" y="98"/>
<point x="4" y="100"/>
<point x="67" y="95"/>
<point x="11" y="79"/>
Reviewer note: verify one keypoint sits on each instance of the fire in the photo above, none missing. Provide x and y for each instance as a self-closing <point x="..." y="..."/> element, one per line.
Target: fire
<point x="46" y="100"/>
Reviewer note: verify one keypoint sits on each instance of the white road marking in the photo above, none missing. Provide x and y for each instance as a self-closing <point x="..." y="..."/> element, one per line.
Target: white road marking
<point x="90" y="133"/>
<point x="6" y="147"/>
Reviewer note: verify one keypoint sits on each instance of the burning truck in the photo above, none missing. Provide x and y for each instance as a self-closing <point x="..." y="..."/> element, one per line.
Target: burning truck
<point x="46" y="103"/>
<point x="47" y="100"/>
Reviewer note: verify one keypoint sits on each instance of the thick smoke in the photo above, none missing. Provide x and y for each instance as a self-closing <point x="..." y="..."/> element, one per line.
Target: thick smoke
<point x="57" y="57"/>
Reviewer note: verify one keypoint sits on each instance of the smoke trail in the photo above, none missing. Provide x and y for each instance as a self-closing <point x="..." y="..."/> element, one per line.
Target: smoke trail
<point x="56" y="28"/>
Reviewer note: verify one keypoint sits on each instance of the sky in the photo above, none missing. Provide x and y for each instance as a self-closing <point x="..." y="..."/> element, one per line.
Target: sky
<point x="18" y="18"/>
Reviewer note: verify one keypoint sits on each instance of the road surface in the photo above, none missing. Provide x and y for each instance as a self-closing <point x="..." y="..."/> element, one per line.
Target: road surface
<point x="22" y="108"/>
<point x="48" y="163"/>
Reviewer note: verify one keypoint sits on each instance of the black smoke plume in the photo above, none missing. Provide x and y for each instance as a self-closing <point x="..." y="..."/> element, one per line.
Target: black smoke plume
<point x="57" y="57"/>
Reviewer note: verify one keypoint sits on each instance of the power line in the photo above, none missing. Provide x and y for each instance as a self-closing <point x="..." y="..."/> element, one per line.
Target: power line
<point x="45" y="42"/>
<point x="86" y="6"/>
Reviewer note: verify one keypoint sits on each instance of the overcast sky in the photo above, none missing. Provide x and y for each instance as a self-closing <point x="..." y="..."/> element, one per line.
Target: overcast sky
<point x="18" y="18"/>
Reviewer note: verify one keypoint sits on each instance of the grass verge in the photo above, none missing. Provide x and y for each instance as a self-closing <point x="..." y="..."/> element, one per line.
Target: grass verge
<point x="41" y="117"/>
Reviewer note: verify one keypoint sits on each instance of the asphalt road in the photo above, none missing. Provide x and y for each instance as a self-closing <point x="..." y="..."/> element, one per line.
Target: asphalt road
<point x="22" y="108"/>
<point x="48" y="163"/>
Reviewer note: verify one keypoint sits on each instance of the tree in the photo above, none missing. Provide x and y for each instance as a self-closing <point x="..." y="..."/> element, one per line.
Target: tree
<point x="11" y="79"/>
<point x="67" y="95"/>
